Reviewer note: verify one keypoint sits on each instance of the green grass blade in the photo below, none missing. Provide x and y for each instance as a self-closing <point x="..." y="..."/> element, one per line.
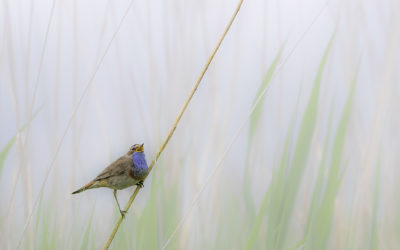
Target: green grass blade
<point x="86" y="236"/>
<point x="315" y="202"/>
<point x="279" y="220"/>
<point x="44" y="238"/>
<point x="38" y="215"/>
<point x="4" y="152"/>
<point x="255" y="117"/>
<point x="147" y="224"/>
<point x="374" y="240"/>
<point x="170" y="197"/>
<point x="320" y="229"/>
<point x="275" y="186"/>
<point x="6" y="149"/>
<point x="254" y="120"/>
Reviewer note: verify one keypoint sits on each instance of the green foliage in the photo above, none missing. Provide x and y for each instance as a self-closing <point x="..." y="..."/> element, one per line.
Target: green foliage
<point x="255" y="117"/>
<point x="320" y="179"/>
<point x="276" y="188"/>
<point x="254" y="120"/>
<point x="6" y="149"/>
<point x="321" y="219"/>
<point x="374" y="240"/>
<point x="279" y="217"/>
<point x="86" y="235"/>
<point x="169" y="208"/>
<point x="147" y="236"/>
<point x="4" y="152"/>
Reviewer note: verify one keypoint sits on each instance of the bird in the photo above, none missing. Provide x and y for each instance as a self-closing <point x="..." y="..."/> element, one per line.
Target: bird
<point x="128" y="170"/>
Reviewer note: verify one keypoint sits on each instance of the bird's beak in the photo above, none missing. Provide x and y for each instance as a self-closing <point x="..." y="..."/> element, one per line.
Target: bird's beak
<point x="140" y="149"/>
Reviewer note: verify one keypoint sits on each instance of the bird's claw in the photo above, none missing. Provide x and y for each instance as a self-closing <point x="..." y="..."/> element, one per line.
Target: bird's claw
<point x="140" y="184"/>
<point x="122" y="213"/>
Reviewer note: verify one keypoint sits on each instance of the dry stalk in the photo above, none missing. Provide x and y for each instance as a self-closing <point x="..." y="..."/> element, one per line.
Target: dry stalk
<point x="171" y="132"/>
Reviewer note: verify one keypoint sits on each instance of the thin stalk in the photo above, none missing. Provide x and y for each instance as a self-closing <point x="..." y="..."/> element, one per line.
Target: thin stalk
<point x="171" y="132"/>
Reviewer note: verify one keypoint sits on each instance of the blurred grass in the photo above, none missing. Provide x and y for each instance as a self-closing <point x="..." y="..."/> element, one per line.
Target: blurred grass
<point x="6" y="149"/>
<point x="86" y="235"/>
<point x="321" y="215"/>
<point x="254" y="120"/>
<point x="374" y="238"/>
<point x="282" y="203"/>
<point x="158" y="219"/>
<point x="265" y="228"/>
<point x="276" y="188"/>
<point x="4" y="152"/>
<point x="147" y="234"/>
<point x="297" y="211"/>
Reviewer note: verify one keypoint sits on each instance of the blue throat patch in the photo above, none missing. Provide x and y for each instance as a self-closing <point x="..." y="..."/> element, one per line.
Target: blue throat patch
<point x="139" y="164"/>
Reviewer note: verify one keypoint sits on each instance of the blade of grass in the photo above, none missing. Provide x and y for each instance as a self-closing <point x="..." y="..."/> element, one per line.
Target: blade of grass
<point x="27" y="123"/>
<point x="170" y="198"/>
<point x="43" y="241"/>
<point x="320" y="229"/>
<point x="374" y="240"/>
<point x="147" y="235"/>
<point x="39" y="212"/>
<point x="86" y="236"/>
<point x="283" y="204"/>
<point x="47" y="237"/>
<point x="320" y="179"/>
<point x="4" y="152"/>
<point x="277" y="178"/>
<point x="254" y="119"/>
<point x="6" y="149"/>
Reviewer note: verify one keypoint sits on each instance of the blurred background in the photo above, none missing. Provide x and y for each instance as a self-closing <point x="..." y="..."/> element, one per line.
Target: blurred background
<point x="313" y="167"/>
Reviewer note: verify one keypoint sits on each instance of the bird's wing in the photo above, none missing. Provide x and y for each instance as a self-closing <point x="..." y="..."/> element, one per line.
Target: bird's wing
<point x="118" y="167"/>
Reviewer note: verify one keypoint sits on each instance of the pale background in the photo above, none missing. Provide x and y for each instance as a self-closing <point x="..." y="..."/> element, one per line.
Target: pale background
<point x="50" y="50"/>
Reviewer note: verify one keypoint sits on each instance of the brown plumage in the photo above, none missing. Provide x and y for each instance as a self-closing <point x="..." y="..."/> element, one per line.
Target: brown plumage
<point x="118" y="175"/>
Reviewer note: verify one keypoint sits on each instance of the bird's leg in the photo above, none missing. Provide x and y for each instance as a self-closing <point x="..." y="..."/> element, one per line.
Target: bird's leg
<point x="140" y="184"/>
<point x="122" y="212"/>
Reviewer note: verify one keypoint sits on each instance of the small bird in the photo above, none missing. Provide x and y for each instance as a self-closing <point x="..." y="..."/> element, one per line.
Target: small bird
<point x="130" y="169"/>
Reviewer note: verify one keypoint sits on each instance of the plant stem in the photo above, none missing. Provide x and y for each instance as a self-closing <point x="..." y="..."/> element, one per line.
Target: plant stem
<point x="171" y="132"/>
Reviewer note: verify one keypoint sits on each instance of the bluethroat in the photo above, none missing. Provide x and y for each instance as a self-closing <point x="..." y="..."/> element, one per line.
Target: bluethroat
<point x="130" y="169"/>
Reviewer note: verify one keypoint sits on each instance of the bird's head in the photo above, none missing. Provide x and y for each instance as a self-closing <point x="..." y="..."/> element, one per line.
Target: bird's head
<point x="136" y="148"/>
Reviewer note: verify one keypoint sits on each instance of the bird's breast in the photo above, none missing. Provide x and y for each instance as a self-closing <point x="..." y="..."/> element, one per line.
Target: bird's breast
<point x="140" y="167"/>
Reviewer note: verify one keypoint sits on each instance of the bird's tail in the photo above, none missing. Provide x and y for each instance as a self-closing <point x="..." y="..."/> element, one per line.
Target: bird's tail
<point x="87" y="186"/>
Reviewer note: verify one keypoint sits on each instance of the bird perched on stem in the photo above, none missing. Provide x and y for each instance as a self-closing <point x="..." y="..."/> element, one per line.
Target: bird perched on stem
<point x="130" y="169"/>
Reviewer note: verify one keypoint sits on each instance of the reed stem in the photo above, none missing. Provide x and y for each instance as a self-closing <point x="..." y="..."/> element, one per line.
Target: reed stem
<point x="171" y="132"/>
